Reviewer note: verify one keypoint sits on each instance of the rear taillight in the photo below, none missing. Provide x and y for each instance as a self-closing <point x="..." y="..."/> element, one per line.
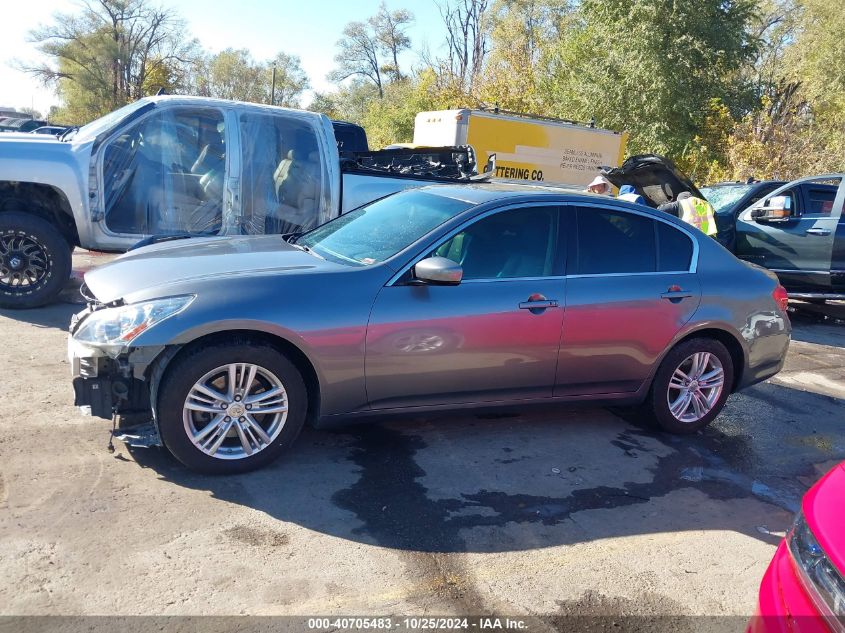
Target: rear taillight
<point x="780" y="297"/>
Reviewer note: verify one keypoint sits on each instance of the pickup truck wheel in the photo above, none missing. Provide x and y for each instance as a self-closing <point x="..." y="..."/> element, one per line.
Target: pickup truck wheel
<point x="691" y="386"/>
<point x="35" y="261"/>
<point x="230" y="407"/>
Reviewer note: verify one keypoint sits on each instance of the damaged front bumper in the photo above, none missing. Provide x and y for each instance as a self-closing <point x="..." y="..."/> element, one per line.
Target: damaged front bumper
<point x="102" y="385"/>
<point x="109" y="382"/>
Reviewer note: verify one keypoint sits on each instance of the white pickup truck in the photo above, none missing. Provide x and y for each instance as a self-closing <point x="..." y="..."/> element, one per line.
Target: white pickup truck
<point x="171" y="166"/>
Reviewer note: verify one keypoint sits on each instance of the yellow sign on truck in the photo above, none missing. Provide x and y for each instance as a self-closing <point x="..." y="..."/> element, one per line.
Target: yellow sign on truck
<point x="526" y="148"/>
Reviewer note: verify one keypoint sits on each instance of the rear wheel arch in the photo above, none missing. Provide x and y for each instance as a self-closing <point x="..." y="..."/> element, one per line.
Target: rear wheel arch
<point x="158" y="370"/>
<point x="726" y="338"/>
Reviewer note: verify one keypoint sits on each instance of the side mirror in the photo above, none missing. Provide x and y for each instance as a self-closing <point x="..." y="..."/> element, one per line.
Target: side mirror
<point x="775" y="209"/>
<point x="439" y="271"/>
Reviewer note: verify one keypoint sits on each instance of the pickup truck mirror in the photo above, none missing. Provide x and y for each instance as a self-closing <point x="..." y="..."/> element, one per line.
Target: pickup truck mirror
<point x="439" y="271"/>
<point x="774" y="209"/>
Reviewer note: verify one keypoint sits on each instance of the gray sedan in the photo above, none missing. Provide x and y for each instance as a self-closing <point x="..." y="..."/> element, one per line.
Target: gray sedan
<point x="436" y="298"/>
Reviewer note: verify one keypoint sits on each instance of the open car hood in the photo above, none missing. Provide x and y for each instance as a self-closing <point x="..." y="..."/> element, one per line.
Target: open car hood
<point x="656" y="178"/>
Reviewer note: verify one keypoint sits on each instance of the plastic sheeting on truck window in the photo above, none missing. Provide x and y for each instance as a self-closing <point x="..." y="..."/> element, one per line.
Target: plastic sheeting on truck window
<point x="284" y="180"/>
<point x="165" y="174"/>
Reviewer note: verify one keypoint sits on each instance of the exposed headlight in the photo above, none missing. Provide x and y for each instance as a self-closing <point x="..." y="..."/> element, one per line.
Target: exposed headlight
<point x="117" y="327"/>
<point x="821" y="579"/>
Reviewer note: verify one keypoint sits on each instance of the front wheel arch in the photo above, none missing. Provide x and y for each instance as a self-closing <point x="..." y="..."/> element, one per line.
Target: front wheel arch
<point x="309" y="373"/>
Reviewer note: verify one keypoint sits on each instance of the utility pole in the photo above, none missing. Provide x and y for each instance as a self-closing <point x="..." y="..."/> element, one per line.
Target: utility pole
<point x="273" y="89"/>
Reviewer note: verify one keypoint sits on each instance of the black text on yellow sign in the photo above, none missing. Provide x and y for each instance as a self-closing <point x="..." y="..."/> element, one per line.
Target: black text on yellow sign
<point x="519" y="173"/>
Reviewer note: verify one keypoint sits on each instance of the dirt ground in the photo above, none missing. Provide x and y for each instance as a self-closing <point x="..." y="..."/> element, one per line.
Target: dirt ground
<point x="543" y="513"/>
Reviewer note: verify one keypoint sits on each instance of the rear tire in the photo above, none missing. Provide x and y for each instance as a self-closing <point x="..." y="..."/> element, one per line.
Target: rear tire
<point x="35" y="261"/>
<point x="245" y="440"/>
<point x="691" y="386"/>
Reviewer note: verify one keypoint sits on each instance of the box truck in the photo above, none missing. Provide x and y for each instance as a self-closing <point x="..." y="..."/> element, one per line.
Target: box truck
<point x="527" y="147"/>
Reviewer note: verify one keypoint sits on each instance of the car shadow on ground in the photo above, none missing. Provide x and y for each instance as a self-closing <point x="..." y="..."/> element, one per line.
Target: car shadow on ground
<point x="539" y="479"/>
<point x="56" y="315"/>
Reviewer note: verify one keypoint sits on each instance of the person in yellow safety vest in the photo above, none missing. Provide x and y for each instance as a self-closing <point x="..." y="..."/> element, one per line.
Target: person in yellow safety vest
<point x="693" y="210"/>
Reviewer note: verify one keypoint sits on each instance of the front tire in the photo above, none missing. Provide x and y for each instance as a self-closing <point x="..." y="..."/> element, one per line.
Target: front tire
<point x="691" y="386"/>
<point x="35" y="261"/>
<point x="231" y="407"/>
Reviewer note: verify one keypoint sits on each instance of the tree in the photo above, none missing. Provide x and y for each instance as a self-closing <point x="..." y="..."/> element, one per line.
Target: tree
<point x="31" y="112"/>
<point x="231" y="74"/>
<point x="391" y="120"/>
<point x="235" y="74"/>
<point x="358" y="55"/>
<point x="521" y="31"/>
<point x="467" y="40"/>
<point x="160" y="77"/>
<point x="650" y="67"/>
<point x="801" y="109"/>
<point x="350" y="102"/>
<point x="100" y="58"/>
<point x="389" y="28"/>
<point x="291" y="80"/>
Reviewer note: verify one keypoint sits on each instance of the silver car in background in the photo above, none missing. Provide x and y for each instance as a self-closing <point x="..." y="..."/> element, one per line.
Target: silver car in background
<point x="436" y="298"/>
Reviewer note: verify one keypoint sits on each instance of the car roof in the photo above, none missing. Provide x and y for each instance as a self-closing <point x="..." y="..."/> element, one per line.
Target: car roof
<point x="485" y="192"/>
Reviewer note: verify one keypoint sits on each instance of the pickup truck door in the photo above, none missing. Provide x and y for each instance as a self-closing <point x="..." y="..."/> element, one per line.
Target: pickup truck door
<point x="800" y="248"/>
<point x="164" y="173"/>
<point x="288" y="171"/>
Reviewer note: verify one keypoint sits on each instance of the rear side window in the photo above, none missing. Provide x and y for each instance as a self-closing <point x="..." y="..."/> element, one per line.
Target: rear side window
<point x="614" y="242"/>
<point x="674" y="249"/>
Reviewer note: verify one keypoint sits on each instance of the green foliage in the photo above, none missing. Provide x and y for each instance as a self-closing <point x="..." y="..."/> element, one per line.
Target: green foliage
<point x="520" y="32"/>
<point x="235" y="74"/>
<point x="649" y="67"/>
<point x="100" y="58"/>
<point x="391" y="120"/>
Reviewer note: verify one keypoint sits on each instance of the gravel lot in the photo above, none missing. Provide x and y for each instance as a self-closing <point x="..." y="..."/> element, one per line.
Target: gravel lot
<point x="542" y="512"/>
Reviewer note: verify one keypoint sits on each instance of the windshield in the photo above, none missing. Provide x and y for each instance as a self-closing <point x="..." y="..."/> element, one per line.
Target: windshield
<point x="723" y="197"/>
<point x="381" y="229"/>
<point x="112" y="118"/>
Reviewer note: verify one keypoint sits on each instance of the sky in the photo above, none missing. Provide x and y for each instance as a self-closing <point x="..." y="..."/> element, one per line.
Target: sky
<point x="307" y="28"/>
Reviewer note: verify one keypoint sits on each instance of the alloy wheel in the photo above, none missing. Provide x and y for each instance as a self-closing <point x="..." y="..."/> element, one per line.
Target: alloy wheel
<point x="235" y="411"/>
<point x="23" y="262"/>
<point x="695" y="387"/>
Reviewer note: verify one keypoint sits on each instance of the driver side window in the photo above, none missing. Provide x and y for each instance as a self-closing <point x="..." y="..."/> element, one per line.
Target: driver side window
<point x="516" y="243"/>
<point x="164" y="174"/>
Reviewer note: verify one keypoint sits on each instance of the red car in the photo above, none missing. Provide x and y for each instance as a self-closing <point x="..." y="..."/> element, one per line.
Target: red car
<point x="804" y="588"/>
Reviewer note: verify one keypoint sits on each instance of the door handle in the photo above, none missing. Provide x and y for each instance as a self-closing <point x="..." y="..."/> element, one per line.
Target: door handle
<point x="675" y="295"/>
<point x="539" y="304"/>
<point x="817" y="231"/>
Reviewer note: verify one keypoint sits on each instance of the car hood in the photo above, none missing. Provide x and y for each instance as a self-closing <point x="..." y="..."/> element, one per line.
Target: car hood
<point x="825" y="514"/>
<point x="170" y="263"/>
<point x="656" y="178"/>
<point x="19" y="148"/>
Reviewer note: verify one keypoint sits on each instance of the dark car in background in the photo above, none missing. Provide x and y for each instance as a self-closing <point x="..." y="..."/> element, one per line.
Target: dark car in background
<point x="23" y="125"/>
<point x="798" y="231"/>
<point x="795" y="229"/>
